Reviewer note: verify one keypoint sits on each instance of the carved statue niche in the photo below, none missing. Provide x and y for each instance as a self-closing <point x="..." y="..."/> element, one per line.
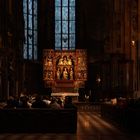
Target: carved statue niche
<point x="64" y="67"/>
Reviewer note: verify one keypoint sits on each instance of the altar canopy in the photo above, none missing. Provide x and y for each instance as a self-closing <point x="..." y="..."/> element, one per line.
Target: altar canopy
<point x="64" y="70"/>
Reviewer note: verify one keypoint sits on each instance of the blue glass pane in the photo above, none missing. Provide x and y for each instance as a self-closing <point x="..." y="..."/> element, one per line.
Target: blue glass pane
<point x="30" y="29"/>
<point x="25" y="51"/>
<point x="30" y="36"/>
<point x="30" y="21"/>
<point x="24" y="6"/>
<point x="35" y="52"/>
<point x="35" y="7"/>
<point x="57" y="13"/>
<point x="64" y="26"/>
<point x="72" y="26"/>
<point x="71" y="13"/>
<point x="25" y="21"/>
<point x="30" y="6"/>
<point x="35" y="37"/>
<point x="64" y="13"/>
<point x="30" y="51"/>
<point x="72" y="40"/>
<point x="72" y="48"/>
<point x="59" y="48"/>
<point x="57" y="26"/>
<point x="65" y="48"/>
<point x="58" y="40"/>
<point x="57" y="2"/>
<point x="64" y="41"/>
<point x="64" y="2"/>
<point x="72" y="2"/>
<point x="25" y="36"/>
<point x="35" y="22"/>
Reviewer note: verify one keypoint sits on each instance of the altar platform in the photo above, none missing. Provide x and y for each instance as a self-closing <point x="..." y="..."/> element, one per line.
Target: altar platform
<point x="74" y="95"/>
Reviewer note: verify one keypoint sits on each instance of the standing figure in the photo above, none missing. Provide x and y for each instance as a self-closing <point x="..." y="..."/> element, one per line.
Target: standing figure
<point x="49" y="61"/>
<point x="58" y="73"/>
<point x="60" y="61"/>
<point x="69" y="61"/>
<point x="65" y="61"/>
<point x="65" y="74"/>
<point x="71" y="74"/>
<point x="50" y="75"/>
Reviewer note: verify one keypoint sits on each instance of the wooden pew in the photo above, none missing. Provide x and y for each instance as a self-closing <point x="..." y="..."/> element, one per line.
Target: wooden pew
<point x="38" y="120"/>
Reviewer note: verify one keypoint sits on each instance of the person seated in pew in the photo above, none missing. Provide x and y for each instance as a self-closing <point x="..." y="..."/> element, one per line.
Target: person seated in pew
<point x="23" y="102"/>
<point x="54" y="104"/>
<point x="68" y="102"/>
<point x="39" y="103"/>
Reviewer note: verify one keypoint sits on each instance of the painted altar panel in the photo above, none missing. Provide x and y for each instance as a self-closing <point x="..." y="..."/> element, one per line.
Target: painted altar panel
<point x="48" y="65"/>
<point x="64" y="68"/>
<point x="65" y="65"/>
<point x="81" y="66"/>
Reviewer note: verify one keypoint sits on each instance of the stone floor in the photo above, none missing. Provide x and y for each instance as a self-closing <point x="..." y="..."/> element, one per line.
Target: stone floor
<point x="90" y="126"/>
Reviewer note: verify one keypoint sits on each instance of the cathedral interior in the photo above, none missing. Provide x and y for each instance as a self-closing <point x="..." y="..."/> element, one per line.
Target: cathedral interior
<point x="106" y="31"/>
<point x="84" y="48"/>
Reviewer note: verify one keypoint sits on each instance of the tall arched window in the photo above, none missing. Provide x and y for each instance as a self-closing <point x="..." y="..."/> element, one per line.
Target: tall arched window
<point x="64" y="24"/>
<point x="30" y="28"/>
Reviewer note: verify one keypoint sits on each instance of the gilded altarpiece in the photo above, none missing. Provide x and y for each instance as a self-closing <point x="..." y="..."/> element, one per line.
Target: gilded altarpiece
<point x="64" y="70"/>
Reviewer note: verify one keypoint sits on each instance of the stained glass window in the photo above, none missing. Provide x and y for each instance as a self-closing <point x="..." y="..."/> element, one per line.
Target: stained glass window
<point x="64" y="24"/>
<point x="30" y="28"/>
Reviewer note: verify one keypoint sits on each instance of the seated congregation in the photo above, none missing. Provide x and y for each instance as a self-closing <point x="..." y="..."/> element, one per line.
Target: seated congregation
<point x="38" y="114"/>
<point x="38" y="101"/>
<point x="123" y="112"/>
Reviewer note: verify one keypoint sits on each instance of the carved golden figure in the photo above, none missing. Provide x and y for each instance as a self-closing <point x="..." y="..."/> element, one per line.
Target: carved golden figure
<point x="58" y="73"/>
<point x="71" y="73"/>
<point x="60" y="61"/>
<point x="65" y="74"/>
<point x="65" y="61"/>
<point x="69" y="61"/>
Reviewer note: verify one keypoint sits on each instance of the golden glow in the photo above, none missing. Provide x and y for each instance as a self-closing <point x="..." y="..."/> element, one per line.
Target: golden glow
<point x="132" y="43"/>
<point x="67" y="66"/>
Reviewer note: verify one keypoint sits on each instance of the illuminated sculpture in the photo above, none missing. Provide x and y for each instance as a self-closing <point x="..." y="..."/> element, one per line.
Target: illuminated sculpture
<point x="64" y="68"/>
<point x="65" y="74"/>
